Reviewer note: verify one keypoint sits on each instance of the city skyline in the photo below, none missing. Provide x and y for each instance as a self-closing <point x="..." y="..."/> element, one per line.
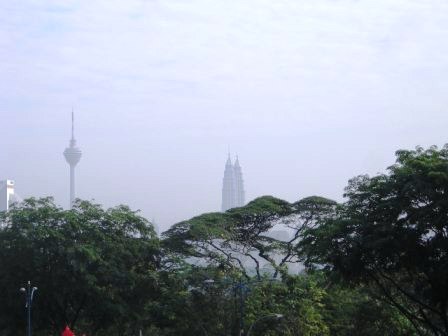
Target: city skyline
<point x="244" y="168"/>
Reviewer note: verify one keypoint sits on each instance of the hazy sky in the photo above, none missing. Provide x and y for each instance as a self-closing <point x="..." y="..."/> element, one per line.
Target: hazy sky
<point x="308" y="93"/>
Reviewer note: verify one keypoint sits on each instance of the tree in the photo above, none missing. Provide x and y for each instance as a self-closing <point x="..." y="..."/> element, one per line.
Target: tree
<point x="232" y="239"/>
<point x="355" y="311"/>
<point x="196" y="301"/>
<point x="95" y="268"/>
<point x="307" y="213"/>
<point x="240" y="238"/>
<point x="298" y="298"/>
<point x="392" y="234"/>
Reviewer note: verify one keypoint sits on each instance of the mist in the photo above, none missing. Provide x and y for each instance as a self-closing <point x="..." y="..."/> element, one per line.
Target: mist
<point x="307" y="93"/>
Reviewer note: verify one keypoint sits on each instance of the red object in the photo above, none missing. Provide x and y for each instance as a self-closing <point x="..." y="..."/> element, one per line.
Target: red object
<point x="67" y="332"/>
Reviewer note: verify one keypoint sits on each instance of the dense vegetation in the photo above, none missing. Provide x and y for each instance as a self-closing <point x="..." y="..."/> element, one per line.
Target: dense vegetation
<point x="376" y="264"/>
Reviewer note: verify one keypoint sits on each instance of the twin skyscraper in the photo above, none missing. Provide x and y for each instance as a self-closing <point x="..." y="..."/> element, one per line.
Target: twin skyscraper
<point x="232" y="186"/>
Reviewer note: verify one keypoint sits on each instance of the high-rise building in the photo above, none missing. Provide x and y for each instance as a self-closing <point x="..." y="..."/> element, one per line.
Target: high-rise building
<point x="232" y="186"/>
<point x="239" y="184"/>
<point x="6" y="194"/>
<point x="228" y="186"/>
<point x="72" y="155"/>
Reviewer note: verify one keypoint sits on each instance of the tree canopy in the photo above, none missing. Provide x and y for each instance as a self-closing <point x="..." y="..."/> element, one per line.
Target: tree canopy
<point x="392" y="234"/>
<point x="242" y="237"/>
<point x="91" y="266"/>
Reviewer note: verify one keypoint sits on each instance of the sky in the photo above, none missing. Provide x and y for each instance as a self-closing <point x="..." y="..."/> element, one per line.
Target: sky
<point x="307" y="93"/>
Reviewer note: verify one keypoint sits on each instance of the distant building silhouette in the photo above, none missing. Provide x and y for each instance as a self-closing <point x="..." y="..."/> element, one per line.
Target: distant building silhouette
<point x="72" y="155"/>
<point x="232" y="186"/>
<point x="6" y="194"/>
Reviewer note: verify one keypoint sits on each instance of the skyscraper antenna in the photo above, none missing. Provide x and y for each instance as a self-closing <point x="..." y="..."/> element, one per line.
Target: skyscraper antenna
<point x="73" y="124"/>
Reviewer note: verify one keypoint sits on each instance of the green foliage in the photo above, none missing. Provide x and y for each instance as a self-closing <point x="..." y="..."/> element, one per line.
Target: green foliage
<point x="227" y="239"/>
<point x="240" y="238"/>
<point x="95" y="268"/>
<point x="185" y="237"/>
<point x="392" y="234"/>
<point x="298" y="299"/>
<point x="353" y="311"/>
<point x="192" y="305"/>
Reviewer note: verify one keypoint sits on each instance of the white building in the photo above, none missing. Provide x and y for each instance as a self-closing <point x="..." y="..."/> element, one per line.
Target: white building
<point x="6" y="194"/>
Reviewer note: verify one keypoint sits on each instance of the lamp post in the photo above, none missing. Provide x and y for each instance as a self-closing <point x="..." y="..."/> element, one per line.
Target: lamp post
<point x="242" y="287"/>
<point x="276" y="316"/>
<point x="29" y="294"/>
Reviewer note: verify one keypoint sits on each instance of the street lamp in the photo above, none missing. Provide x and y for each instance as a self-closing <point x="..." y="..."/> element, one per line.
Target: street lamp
<point x="275" y="316"/>
<point x="29" y="294"/>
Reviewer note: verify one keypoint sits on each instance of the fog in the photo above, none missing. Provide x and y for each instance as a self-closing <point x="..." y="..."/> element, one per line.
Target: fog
<point x="307" y="93"/>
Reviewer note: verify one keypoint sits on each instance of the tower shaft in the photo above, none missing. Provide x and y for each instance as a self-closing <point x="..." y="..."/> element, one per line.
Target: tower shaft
<point x="72" y="185"/>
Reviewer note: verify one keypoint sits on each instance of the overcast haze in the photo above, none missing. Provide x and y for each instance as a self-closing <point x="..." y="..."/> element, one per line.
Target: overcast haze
<point x="307" y="93"/>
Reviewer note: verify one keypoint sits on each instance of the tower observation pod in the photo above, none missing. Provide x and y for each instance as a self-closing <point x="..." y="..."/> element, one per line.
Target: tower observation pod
<point x="72" y="155"/>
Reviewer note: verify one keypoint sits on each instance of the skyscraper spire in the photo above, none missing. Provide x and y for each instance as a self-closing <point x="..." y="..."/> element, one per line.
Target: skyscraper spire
<point x="72" y="155"/>
<point x="229" y="160"/>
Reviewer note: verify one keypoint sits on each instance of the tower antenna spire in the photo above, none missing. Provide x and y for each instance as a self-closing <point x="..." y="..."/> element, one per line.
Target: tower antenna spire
<point x="73" y="124"/>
